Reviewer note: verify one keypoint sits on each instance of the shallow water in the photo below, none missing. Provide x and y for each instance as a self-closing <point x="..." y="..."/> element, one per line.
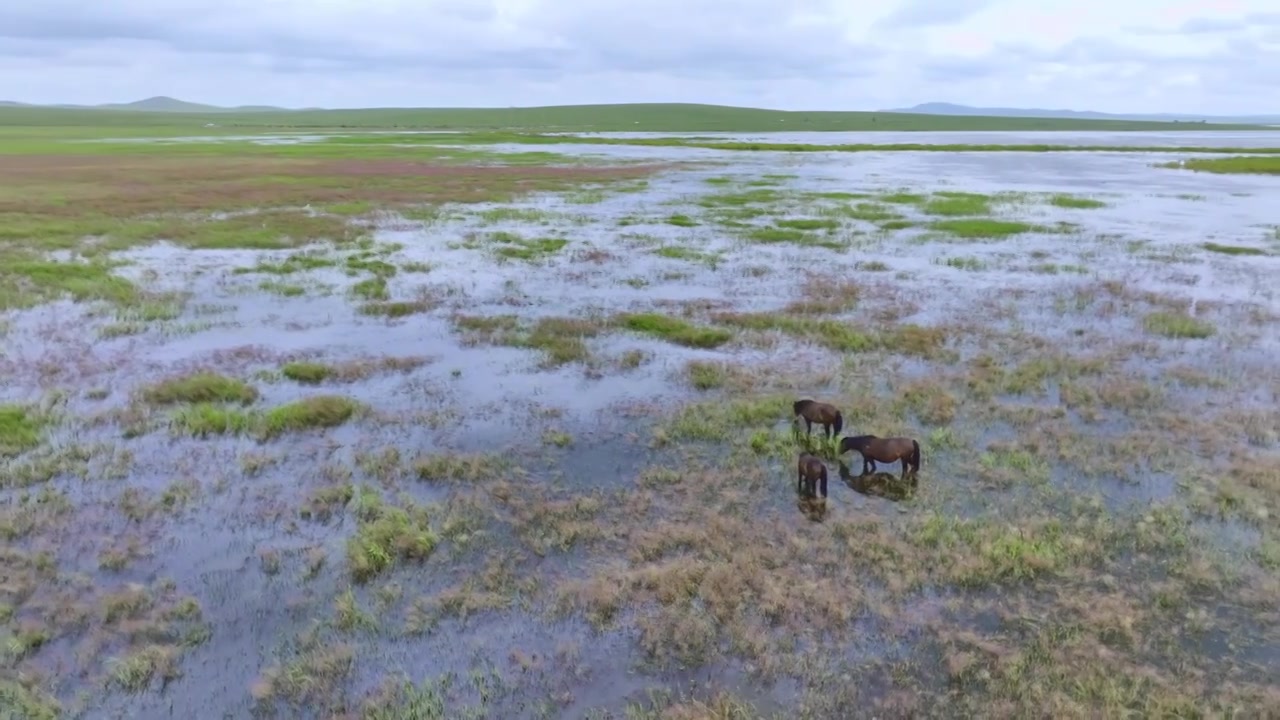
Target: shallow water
<point x="1148" y="238"/>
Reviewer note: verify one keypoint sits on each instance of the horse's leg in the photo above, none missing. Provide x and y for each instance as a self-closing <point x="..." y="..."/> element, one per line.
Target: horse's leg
<point x="808" y="427"/>
<point x="824" y="485"/>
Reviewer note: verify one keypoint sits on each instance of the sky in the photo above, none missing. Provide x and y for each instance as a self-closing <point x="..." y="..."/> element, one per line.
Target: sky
<point x="1220" y="57"/>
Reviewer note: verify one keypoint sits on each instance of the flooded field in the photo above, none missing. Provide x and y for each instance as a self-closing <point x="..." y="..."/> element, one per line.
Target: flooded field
<point x="392" y="440"/>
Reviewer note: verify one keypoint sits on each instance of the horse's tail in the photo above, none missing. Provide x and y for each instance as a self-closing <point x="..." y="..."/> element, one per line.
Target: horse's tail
<point x="839" y="423"/>
<point x="915" y="453"/>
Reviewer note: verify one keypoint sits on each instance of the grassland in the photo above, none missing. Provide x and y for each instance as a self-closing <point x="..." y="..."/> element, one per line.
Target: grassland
<point x="654" y="117"/>
<point x="438" y="431"/>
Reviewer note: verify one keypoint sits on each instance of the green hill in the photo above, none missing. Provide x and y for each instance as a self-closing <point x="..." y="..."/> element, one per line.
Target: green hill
<point x="643" y="117"/>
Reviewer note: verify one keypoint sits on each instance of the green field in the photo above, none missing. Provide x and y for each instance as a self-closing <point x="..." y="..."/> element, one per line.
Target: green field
<point x="649" y="117"/>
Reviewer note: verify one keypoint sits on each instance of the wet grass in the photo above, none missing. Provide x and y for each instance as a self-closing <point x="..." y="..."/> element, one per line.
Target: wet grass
<point x="957" y="205"/>
<point x="1232" y="249"/>
<point x="560" y="340"/>
<point x="200" y="387"/>
<point x="1248" y="165"/>
<point x="1075" y="203"/>
<point x="1177" y="325"/>
<point x="316" y="412"/>
<point x="982" y="228"/>
<point x="681" y="252"/>
<point x="20" y="429"/>
<point x="316" y="373"/>
<point x="675" y="330"/>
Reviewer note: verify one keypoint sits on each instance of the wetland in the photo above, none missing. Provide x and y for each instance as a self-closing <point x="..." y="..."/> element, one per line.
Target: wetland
<point x="350" y="428"/>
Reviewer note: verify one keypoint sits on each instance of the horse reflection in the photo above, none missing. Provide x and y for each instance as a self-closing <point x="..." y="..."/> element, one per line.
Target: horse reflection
<point x="882" y="484"/>
<point x="813" y="508"/>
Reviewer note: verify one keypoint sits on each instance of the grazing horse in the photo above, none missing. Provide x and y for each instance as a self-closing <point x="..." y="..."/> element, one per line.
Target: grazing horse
<point x="886" y="450"/>
<point x="811" y="471"/>
<point x="822" y="413"/>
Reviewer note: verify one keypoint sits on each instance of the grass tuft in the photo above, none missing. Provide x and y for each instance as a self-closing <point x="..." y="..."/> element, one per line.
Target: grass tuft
<point x="200" y="387"/>
<point x="676" y="330"/>
<point x="1177" y="325"/>
<point x="20" y="430"/>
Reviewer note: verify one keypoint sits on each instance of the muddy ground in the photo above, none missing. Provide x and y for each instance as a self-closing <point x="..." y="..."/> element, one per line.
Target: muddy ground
<point x="535" y="457"/>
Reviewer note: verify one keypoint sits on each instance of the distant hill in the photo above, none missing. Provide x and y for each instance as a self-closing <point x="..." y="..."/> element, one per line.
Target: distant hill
<point x="941" y="108"/>
<point x="159" y="103"/>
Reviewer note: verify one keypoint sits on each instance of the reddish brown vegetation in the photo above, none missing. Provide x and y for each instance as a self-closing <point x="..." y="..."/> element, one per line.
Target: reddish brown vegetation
<point x="125" y="186"/>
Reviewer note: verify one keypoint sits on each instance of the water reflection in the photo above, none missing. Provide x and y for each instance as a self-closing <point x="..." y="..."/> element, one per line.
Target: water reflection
<point x="814" y="509"/>
<point x="878" y="484"/>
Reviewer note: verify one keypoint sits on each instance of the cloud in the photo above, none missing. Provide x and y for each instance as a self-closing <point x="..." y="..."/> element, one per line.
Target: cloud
<point x="808" y="54"/>
<point x="930" y="13"/>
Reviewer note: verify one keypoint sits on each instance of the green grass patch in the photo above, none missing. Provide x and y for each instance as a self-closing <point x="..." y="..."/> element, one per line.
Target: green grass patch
<point x="681" y="221"/>
<point x="1245" y="165"/>
<point x="903" y="198"/>
<point x="395" y="308"/>
<point x="513" y="247"/>
<point x="981" y="228"/>
<point x="807" y="223"/>
<point x="385" y="535"/>
<point x="1074" y="202"/>
<point x="681" y="252"/>
<point x="200" y="387"/>
<point x="320" y="411"/>
<point x="298" y="262"/>
<point x="20" y="429"/>
<point x="374" y="288"/>
<point x="1232" y="249"/>
<point x="804" y="238"/>
<point x="736" y="200"/>
<point x="25" y="283"/>
<point x="275" y="287"/>
<point x="676" y="330"/>
<point x="954" y="204"/>
<point x="1177" y="325"/>
<point x="310" y="373"/>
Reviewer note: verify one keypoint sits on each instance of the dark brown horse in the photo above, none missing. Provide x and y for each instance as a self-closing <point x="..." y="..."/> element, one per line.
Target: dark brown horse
<point x="886" y="450"/>
<point x="811" y="472"/>
<point x="825" y="414"/>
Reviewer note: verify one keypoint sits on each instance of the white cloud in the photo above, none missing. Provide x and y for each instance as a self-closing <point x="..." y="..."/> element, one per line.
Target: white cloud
<point x="1139" y="56"/>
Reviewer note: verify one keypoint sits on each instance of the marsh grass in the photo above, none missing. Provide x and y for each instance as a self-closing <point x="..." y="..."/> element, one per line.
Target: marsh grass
<point x="314" y="373"/>
<point x="1232" y="249"/>
<point x="1243" y="165"/>
<point x="957" y="204"/>
<point x="963" y="263"/>
<point x="21" y="429"/>
<point x="675" y="330"/>
<point x="1177" y="325"/>
<point x="805" y="238"/>
<point x="386" y="534"/>
<point x="1075" y="202"/>
<point x="199" y="387"/>
<point x="681" y="252"/>
<point x="560" y="340"/>
<point x="24" y="283"/>
<point x="981" y="228"/>
<point x="316" y="412"/>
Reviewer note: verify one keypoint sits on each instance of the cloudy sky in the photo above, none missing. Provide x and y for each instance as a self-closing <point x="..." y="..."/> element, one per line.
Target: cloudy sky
<point x="1198" y="56"/>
